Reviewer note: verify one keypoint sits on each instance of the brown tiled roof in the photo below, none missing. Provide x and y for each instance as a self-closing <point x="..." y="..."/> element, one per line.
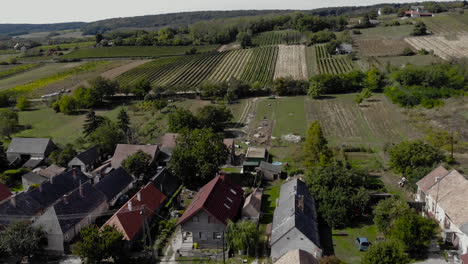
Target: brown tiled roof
<point x="51" y="171"/>
<point x="122" y="151"/>
<point x="4" y="192"/>
<point x="168" y="140"/>
<point x="297" y="256"/>
<point x="130" y="222"/>
<point x="254" y="152"/>
<point x="254" y="200"/>
<point x="219" y="198"/>
<point x="229" y="142"/>
<point x="430" y="179"/>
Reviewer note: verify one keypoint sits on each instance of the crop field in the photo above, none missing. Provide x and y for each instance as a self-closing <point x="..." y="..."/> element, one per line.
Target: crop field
<point x="261" y="66"/>
<point x="447" y="23"/>
<point x="332" y="64"/>
<point x="231" y="66"/>
<point x="68" y="45"/>
<point x="291" y="62"/>
<point x="34" y="74"/>
<point x="381" y="32"/>
<point x="150" y="71"/>
<point x="17" y="69"/>
<point x="374" y="124"/>
<point x="33" y="85"/>
<point x="144" y="51"/>
<point x="278" y="37"/>
<point x="311" y="60"/>
<point x="419" y="60"/>
<point x="381" y="47"/>
<point x="443" y="46"/>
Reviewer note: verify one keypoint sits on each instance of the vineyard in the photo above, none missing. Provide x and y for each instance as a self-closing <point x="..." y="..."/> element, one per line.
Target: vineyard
<point x="150" y="71"/>
<point x="381" y="47"/>
<point x="261" y="66"/>
<point x="278" y="37"/>
<point x="311" y="59"/>
<point x="442" y="47"/>
<point x="445" y="24"/>
<point x="291" y="62"/>
<point x="332" y="64"/>
<point x="231" y="66"/>
<point x="17" y="69"/>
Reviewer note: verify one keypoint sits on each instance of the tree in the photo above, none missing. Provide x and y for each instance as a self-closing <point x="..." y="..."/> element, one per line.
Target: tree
<point x="62" y="156"/>
<point x="197" y="157"/>
<point x="106" y="137"/>
<point x="415" y="232"/>
<point x="141" y="87"/>
<point x="96" y="245"/>
<point x="242" y="236"/>
<point x="409" y="156"/>
<point x="92" y="122"/>
<point x="138" y="163"/>
<point x="22" y="103"/>
<point x="386" y="252"/>
<point x="4" y="100"/>
<point x="214" y="117"/>
<point x="315" y="147"/>
<point x="22" y="239"/>
<point x="374" y="80"/>
<point x="85" y="97"/>
<point x="339" y="192"/>
<point x="244" y="39"/>
<point x="8" y="122"/>
<point x="67" y="104"/>
<point x="420" y="29"/>
<point x="103" y="87"/>
<point x="387" y="211"/>
<point x="123" y="121"/>
<point x="181" y="119"/>
<point x="3" y="158"/>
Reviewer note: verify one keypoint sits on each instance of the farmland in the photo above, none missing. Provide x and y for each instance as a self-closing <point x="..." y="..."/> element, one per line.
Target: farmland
<point x="17" y="69"/>
<point x="278" y="37"/>
<point x="261" y="66"/>
<point x="443" y="46"/>
<point x="447" y="24"/>
<point x="291" y="62"/>
<point x="381" y="47"/>
<point x="311" y="60"/>
<point x="73" y="45"/>
<point x="132" y="51"/>
<point x="332" y="64"/>
<point x="395" y="32"/>
<point x="404" y="60"/>
<point x="231" y="66"/>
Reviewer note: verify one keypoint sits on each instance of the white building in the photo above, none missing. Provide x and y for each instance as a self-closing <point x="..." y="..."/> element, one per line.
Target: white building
<point x="445" y="194"/>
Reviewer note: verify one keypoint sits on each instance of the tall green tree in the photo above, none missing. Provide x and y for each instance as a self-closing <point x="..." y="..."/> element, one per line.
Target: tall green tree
<point x="315" y="147"/>
<point x="387" y="211"/>
<point x="387" y="252"/>
<point x="63" y="155"/>
<point x="242" y="236"/>
<point x="420" y="29"/>
<point x="67" y="104"/>
<point x="23" y="103"/>
<point x="92" y="122"/>
<point x="197" y="157"/>
<point x="214" y="117"/>
<point x="181" y="119"/>
<point x="97" y="245"/>
<point x="244" y="39"/>
<point x="138" y="164"/>
<point x="340" y="193"/>
<point x="123" y="121"/>
<point x="141" y="88"/>
<point x="22" y="239"/>
<point x="106" y="137"/>
<point x="8" y="122"/>
<point x="103" y="87"/>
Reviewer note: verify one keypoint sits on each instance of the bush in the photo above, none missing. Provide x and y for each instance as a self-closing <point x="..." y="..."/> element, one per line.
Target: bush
<point x="22" y="103"/>
<point x="407" y="52"/>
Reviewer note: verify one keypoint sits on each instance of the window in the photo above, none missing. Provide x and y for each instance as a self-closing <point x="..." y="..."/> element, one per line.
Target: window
<point x="229" y="199"/>
<point x="200" y="235"/>
<point x="227" y="206"/>
<point x="217" y="235"/>
<point x="195" y="218"/>
<point x="234" y="192"/>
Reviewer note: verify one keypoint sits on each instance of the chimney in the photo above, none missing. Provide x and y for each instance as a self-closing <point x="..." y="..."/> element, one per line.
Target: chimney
<point x="437" y="179"/>
<point x="139" y="196"/>
<point x="13" y="200"/>
<point x="65" y="199"/>
<point x="300" y="202"/>
<point x="130" y="205"/>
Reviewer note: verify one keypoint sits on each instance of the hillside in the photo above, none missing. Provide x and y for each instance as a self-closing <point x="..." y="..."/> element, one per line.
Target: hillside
<point x="20" y="29"/>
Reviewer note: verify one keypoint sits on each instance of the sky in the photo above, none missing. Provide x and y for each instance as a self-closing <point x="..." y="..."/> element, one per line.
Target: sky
<point x="54" y="11"/>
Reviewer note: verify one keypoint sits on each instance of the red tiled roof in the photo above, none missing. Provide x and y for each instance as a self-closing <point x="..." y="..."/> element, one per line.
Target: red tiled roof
<point x="130" y="222"/>
<point x="219" y="198"/>
<point x="4" y="192"/>
<point x="430" y="179"/>
<point x="122" y="151"/>
<point x="464" y="258"/>
<point x="169" y="140"/>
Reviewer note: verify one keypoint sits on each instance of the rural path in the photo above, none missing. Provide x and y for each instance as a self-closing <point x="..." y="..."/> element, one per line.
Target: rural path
<point x="175" y="243"/>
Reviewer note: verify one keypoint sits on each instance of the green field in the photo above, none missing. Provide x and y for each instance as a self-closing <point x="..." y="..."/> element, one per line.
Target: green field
<point x="278" y="37"/>
<point x="382" y="32"/>
<point x="261" y="66"/>
<point x="69" y="45"/>
<point x="134" y="51"/>
<point x="311" y="59"/>
<point x="330" y="64"/>
<point x="35" y="74"/>
<point x="344" y="242"/>
<point x="404" y="60"/>
<point x="17" y="69"/>
<point x="448" y="23"/>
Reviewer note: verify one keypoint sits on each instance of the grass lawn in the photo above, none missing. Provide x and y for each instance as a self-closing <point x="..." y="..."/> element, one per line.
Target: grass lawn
<point x="344" y="242"/>
<point x="381" y="32"/>
<point x="403" y="60"/>
<point x="270" y="194"/>
<point x="134" y="51"/>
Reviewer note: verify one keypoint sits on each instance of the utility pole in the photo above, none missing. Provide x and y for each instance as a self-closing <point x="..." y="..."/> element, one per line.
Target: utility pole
<point x="224" y="258"/>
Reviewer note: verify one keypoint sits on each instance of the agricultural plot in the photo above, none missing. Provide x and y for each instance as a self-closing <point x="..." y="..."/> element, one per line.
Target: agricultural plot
<point x="311" y="60"/>
<point x="278" y="37"/>
<point x="150" y="71"/>
<point x="80" y="45"/>
<point x="17" y="69"/>
<point x="398" y="61"/>
<point x="344" y="122"/>
<point x="444" y="47"/>
<point x="231" y="66"/>
<point x="332" y="64"/>
<point x="381" y="47"/>
<point x="261" y="66"/>
<point x="381" y="32"/>
<point x="143" y="51"/>
<point x="446" y="24"/>
<point x="291" y="62"/>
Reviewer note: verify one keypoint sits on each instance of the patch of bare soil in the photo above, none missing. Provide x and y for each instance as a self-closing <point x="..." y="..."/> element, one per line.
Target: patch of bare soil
<point x="112" y="74"/>
<point x="230" y="46"/>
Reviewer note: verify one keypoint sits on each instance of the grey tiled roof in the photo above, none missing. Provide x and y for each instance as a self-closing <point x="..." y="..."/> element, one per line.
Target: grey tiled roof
<point x="166" y="182"/>
<point x="114" y="183"/>
<point x="89" y="156"/>
<point x="289" y="214"/>
<point x="270" y="167"/>
<point x="34" y="178"/>
<point x="29" y="145"/>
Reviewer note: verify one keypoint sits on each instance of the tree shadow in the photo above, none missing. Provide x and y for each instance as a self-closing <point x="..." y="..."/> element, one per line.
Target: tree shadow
<point x="326" y="237"/>
<point x="326" y="97"/>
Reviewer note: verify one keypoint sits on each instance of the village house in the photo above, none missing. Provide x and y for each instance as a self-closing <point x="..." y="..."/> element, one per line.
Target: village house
<point x="444" y="194"/>
<point x="38" y="176"/>
<point x="166" y="182"/>
<point x="418" y="11"/>
<point x="253" y="157"/>
<point x="86" y="161"/>
<point x="142" y="208"/>
<point x="344" y="49"/>
<point x="252" y="206"/>
<point x="269" y="171"/>
<point x="123" y="151"/>
<point x="295" y="222"/>
<point x="5" y="193"/>
<point x="205" y="219"/>
<point x="64" y="220"/>
<point x="297" y="256"/>
<point x="29" y="152"/>
<point x="114" y="185"/>
<point x="168" y="143"/>
<point x="231" y="146"/>
<point x="51" y="171"/>
<point x="31" y="204"/>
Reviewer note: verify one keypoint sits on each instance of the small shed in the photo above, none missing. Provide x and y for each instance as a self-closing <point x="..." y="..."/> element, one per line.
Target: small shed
<point x="344" y="49"/>
<point x="269" y="171"/>
<point x="252" y="206"/>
